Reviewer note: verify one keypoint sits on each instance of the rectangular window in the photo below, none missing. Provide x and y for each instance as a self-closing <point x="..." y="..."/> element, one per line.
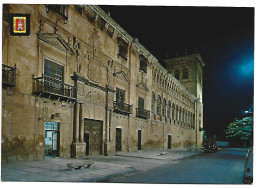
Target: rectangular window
<point x="143" y="63"/>
<point x="120" y="95"/>
<point x="60" y="9"/>
<point x="140" y="103"/>
<point x="122" y="48"/>
<point x="53" y="70"/>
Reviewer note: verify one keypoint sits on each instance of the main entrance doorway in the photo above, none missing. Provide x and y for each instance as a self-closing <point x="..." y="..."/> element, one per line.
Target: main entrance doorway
<point x="139" y="140"/>
<point x="118" y="139"/>
<point x="93" y="136"/>
<point x="51" y="139"/>
<point x="169" y="141"/>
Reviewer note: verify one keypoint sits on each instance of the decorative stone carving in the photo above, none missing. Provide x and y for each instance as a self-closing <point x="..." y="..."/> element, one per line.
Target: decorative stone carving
<point x="94" y="97"/>
<point x="93" y="40"/>
<point x="80" y="91"/>
<point x="56" y="40"/>
<point x="122" y="76"/>
<point x="94" y="70"/>
<point x="110" y="100"/>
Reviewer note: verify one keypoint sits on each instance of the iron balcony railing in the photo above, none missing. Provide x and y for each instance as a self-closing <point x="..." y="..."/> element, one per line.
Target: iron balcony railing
<point x="46" y="85"/>
<point x="8" y="76"/>
<point x="122" y="108"/>
<point x="142" y="113"/>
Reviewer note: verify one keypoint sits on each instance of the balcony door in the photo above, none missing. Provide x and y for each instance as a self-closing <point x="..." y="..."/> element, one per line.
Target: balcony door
<point x="140" y="103"/>
<point x="53" y="70"/>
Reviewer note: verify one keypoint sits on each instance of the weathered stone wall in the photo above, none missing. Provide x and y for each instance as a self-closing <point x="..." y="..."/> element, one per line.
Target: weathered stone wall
<point x="91" y="63"/>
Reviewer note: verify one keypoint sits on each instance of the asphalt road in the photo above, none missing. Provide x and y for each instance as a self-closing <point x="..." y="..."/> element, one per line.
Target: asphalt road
<point x="223" y="167"/>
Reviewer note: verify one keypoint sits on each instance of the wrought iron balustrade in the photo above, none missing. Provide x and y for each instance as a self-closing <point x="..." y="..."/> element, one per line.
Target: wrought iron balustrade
<point x="8" y="76"/>
<point x="123" y="108"/>
<point x="46" y="85"/>
<point x="142" y="113"/>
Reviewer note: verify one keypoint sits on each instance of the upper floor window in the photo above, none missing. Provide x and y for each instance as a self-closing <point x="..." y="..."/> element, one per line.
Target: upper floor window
<point x="60" y="9"/>
<point x="177" y="74"/>
<point x="177" y="112"/>
<point x="159" y="105"/>
<point x="163" y="107"/>
<point x="180" y="115"/>
<point x="79" y="9"/>
<point x="53" y="70"/>
<point x="120" y="95"/>
<point x="185" y="73"/>
<point x="169" y="109"/>
<point x="140" y="103"/>
<point x="122" y="48"/>
<point x="173" y="110"/>
<point x="153" y="101"/>
<point x="143" y="63"/>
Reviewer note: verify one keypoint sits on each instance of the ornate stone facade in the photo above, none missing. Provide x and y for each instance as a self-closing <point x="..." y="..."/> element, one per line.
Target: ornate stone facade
<point x="83" y="86"/>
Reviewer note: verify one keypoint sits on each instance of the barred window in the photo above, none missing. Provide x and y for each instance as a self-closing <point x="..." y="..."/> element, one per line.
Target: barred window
<point x="153" y="101"/>
<point x="173" y="111"/>
<point x="169" y="109"/>
<point x="163" y="107"/>
<point x="159" y="105"/>
<point x="183" y="116"/>
<point x="180" y="114"/>
<point x="177" y="112"/>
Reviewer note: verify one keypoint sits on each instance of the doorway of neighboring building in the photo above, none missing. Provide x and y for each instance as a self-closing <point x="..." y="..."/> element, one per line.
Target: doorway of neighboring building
<point x="169" y="141"/>
<point x="93" y="137"/>
<point x="52" y="138"/>
<point x="118" y="139"/>
<point x="139" y="140"/>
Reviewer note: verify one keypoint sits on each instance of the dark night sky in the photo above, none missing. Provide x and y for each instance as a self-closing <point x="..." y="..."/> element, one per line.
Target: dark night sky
<point x="224" y="37"/>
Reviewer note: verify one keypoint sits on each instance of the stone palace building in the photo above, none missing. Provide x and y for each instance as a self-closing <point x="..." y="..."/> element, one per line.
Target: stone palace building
<point x="79" y="85"/>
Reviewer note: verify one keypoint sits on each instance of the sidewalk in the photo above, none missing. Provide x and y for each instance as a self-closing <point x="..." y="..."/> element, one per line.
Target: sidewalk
<point x="104" y="167"/>
<point x="56" y="170"/>
<point x="162" y="154"/>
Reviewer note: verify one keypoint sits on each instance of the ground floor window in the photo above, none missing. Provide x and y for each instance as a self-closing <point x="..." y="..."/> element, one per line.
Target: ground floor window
<point x="51" y="139"/>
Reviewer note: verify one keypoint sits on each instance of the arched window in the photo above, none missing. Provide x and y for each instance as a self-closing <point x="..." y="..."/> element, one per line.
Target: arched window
<point x="158" y="105"/>
<point x="177" y="74"/>
<point x="185" y="73"/>
<point x="153" y="101"/>
<point x="183" y="116"/>
<point x="180" y="114"/>
<point x="173" y="111"/>
<point x="177" y="112"/>
<point x="164" y="107"/>
<point x="169" y="109"/>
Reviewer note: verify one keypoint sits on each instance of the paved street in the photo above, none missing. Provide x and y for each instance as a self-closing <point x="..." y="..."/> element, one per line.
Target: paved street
<point x="225" y="166"/>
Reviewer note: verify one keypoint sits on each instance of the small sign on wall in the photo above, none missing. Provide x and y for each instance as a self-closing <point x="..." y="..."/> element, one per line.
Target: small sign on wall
<point x="19" y="24"/>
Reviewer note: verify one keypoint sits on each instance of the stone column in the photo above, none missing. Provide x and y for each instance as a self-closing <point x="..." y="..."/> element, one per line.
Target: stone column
<point x="81" y="123"/>
<point x="76" y="123"/>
